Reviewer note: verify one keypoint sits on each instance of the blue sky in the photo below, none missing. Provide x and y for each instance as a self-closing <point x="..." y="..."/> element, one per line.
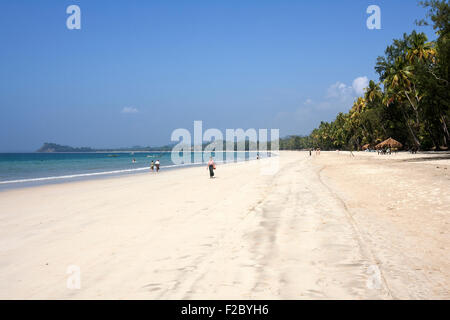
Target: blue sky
<point x="137" y="70"/>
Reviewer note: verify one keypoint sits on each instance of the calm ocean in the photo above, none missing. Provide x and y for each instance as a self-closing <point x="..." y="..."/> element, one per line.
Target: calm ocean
<point x="25" y="169"/>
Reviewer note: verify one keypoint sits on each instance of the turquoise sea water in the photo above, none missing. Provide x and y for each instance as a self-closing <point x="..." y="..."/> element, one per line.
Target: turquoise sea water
<point x="24" y="169"/>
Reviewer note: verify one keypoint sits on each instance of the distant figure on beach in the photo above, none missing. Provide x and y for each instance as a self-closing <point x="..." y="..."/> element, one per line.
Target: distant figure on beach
<point x="157" y="165"/>
<point x="310" y="152"/>
<point x="211" y="166"/>
<point x="257" y="156"/>
<point x="152" y="165"/>
<point x="134" y="160"/>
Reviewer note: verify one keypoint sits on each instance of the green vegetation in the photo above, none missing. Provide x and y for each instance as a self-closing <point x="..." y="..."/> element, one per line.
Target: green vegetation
<point x="53" y="147"/>
<point x="409" y="104"/>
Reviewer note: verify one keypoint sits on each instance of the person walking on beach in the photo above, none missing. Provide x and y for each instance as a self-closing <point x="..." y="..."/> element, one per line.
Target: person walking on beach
<point x="157" y="165"/>
<point x="152" y="165"/>
<point x="211" y="166"/>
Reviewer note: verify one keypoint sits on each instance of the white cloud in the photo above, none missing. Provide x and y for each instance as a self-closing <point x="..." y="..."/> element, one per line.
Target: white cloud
<point x="359" y="84"/>
<point x="345" y="93"/>
<point x="130" y="110"/>
<point x="339" y="97"/>
<point x="339" y="91"/>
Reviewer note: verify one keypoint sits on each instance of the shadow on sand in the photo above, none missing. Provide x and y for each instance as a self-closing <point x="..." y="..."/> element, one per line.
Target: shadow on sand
<point x="440" y="156"/>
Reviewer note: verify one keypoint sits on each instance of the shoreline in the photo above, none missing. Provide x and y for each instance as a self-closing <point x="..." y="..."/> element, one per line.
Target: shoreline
<point x="37" y="182"/>
<point x="34" y="182"/>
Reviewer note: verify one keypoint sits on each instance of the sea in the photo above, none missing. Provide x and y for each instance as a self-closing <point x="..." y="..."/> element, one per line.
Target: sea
<point x="30" y="169"/>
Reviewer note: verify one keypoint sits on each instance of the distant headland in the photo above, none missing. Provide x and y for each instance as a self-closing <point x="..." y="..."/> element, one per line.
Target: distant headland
<point x="53" y="147"/>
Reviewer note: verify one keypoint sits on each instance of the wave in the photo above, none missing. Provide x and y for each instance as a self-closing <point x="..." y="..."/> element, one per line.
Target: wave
<point x="73" y="176"/>
<point x="81" y="175"/>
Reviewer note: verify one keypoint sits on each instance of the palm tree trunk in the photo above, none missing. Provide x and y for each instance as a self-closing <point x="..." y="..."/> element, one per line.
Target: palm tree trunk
<point x="415" y="108"/>
<point x="416" y="141"/>
<point x="384" y="129"/>
<point x="445" y="129"/>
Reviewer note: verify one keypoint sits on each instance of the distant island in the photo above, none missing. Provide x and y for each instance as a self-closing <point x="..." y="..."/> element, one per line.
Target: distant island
<point x="53" y="147"/>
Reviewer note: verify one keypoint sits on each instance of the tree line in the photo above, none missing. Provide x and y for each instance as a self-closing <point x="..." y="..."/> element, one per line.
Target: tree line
<point x="410" y="103"/>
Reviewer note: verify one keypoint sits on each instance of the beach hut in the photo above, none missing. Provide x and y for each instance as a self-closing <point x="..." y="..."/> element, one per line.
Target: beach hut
<point x="391" y="143"/>
<point x="366" y="146"/>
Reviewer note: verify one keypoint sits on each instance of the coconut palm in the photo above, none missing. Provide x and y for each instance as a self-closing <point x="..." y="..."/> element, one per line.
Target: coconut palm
<point x="400" y="88"/>
<point x="373" y="92"/>
<point x="419" y="49"/>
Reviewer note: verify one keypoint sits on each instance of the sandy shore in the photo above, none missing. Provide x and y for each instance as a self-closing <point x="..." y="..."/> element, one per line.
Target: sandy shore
<point x="327" y="227"/>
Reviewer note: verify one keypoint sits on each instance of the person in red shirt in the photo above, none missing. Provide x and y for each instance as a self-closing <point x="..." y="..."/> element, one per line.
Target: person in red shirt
<point x="211" y="166"/>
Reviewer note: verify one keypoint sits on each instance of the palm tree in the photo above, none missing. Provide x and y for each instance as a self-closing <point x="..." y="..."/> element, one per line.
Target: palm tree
<point x="373" y="92"/>
<point x="401" y="88"/>
<point x="419" y="49"/>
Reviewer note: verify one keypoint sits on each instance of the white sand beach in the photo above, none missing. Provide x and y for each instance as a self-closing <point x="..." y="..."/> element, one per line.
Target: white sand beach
<point x="324" y="227"/>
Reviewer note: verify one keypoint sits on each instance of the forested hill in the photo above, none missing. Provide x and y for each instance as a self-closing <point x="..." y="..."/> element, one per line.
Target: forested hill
<point x="53" y="147"/>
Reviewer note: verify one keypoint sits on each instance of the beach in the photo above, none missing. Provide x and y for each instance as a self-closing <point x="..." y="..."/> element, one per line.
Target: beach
<point x="333" y="226"/>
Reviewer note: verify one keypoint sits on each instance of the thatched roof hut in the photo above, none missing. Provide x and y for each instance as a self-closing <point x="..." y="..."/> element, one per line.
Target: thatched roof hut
<point x="366" y="146"/>
<point x="391" y="143"/>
